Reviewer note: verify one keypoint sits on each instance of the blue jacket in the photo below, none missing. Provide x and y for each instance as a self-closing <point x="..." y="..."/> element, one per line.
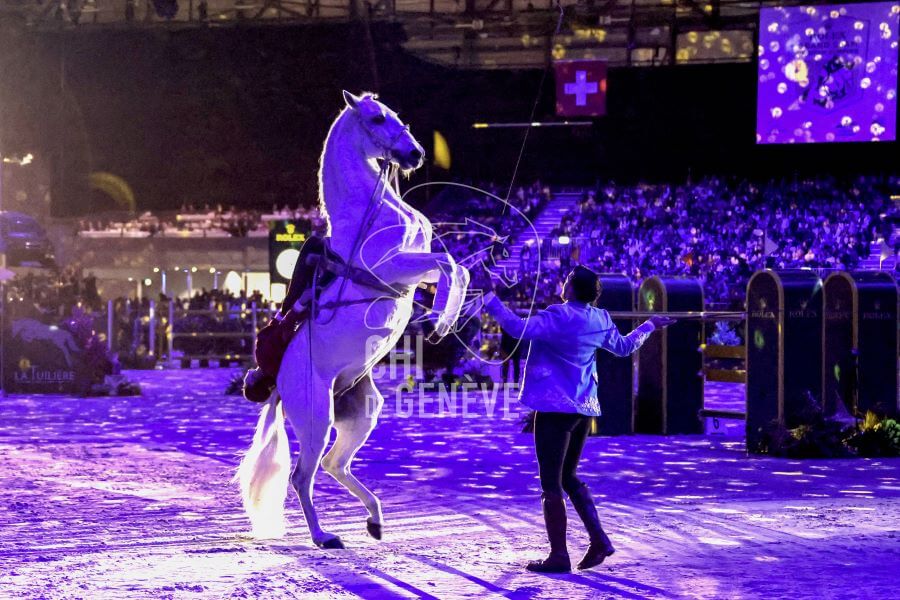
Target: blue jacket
<point x="561" y="368"/>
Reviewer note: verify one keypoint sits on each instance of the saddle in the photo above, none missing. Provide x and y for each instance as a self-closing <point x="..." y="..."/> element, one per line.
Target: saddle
<point x="273" y="339"/>
<point x="316" y="262"/>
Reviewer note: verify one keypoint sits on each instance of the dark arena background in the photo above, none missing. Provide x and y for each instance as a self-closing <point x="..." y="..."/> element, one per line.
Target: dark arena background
<point x="729" y="169"/>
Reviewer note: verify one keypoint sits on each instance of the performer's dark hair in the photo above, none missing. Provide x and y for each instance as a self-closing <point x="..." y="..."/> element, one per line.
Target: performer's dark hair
<point x="586" y="285"/>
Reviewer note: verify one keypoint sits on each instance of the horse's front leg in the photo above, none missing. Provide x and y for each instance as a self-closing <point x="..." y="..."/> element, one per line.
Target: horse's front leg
<point x="452" y="279"/>
<point x="412" y="268"/>
<point x="448" y="301"/>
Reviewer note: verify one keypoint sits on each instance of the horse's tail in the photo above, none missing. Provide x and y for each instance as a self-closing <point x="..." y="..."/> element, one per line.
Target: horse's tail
<point x="264" y="471"/>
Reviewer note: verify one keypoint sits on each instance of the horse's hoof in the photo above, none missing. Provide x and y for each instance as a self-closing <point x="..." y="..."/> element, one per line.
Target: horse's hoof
<point x="373" y="528"/>
<point x="334" y="543"/>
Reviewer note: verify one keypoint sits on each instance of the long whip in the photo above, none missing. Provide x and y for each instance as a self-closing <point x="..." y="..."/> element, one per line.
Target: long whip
<point x="534" y="105"/>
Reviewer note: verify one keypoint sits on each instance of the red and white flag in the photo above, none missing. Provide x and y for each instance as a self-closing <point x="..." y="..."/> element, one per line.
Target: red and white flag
<point x="580" y="88"/>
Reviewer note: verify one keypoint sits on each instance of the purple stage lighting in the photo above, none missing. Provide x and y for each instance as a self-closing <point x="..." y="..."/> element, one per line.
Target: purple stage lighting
<point x="827" y="73"/>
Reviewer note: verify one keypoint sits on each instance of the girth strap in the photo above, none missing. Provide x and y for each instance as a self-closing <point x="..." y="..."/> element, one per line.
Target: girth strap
<point x="340" y="303"/>
<point x="335" y="265"/>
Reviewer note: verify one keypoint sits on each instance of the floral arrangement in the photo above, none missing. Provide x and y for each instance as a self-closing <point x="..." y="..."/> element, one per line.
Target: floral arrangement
<point x="725" y="335"/>
<point x="820" y="437"/>
<point x="875" y="437"/>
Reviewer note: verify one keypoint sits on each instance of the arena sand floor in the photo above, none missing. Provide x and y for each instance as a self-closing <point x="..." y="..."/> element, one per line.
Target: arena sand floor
<point x="131" y="498"/>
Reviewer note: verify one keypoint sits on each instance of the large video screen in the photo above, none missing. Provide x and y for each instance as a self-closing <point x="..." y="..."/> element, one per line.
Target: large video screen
<point x="828" y="73"/>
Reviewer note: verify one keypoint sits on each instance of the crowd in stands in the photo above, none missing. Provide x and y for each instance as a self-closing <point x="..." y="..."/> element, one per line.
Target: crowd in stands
<point x="49" y="294"/>
<point x="193" y="222"/>
<point x="718" y="230"/>
<point x="488" y="205"/>
<point x="468" y="222"/>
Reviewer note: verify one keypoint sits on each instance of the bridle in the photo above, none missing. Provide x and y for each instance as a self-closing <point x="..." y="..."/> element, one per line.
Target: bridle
<point x="386" y="145"/>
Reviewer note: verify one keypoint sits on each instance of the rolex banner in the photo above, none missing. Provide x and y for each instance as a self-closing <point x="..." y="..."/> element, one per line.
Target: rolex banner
<point x="763" y="346"/>
<point x="860" y="343"/>
<point x="285" y="240"/>
<point x="784" y="350"/>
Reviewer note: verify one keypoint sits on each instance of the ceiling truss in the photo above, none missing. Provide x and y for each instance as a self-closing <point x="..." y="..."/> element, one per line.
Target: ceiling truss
<point x="462" y="33"/>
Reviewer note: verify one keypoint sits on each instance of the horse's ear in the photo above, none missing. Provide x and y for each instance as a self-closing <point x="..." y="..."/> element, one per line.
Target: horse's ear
<point x="351" y="100"/>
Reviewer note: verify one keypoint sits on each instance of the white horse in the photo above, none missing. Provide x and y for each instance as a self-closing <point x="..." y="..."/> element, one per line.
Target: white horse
<point x="325" y="379"/>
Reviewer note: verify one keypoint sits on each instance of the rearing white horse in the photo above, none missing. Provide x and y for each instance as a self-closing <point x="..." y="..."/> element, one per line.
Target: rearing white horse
<point x="325" y="379"/>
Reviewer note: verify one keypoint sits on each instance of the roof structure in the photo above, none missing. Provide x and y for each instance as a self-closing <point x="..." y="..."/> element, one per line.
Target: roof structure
<point x="462" y="33"/>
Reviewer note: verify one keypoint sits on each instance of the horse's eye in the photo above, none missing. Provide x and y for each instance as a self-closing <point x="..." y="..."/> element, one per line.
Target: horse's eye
<point x="379" y="119"/>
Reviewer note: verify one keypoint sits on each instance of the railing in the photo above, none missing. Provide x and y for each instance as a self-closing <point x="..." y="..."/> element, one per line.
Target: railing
<point x="176" y="335"/>
<point x="226" y="335"/>
<point x="713" y="352"/>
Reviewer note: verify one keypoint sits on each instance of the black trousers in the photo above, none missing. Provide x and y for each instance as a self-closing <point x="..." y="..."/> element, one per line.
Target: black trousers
<point x="516" y="361"/>
<point x="558" y="441"/>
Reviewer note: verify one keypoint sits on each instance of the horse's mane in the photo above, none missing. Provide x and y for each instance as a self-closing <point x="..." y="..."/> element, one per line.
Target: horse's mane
<point x="323" y="210"/>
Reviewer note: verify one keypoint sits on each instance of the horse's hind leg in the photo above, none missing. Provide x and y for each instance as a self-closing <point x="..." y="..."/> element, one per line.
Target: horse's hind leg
<point x="356" y="414"/>
<point x="307" y="406"/>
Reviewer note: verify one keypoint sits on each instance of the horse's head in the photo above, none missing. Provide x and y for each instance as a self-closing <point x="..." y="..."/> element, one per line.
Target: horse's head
<point x="387" y="137"/>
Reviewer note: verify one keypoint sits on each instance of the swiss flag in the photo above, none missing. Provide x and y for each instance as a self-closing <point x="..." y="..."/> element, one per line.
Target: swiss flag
<point x="580" y="88"/>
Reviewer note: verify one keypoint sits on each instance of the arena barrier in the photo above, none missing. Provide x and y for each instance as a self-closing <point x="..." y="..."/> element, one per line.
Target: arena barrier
<point x="165" y="333"/>
<point x="670" y="380"/>
<point x="784" y="349"/>
<point x="808" y="345"/>
<point x="860" y="343"/>
<point x="227" y="336"/>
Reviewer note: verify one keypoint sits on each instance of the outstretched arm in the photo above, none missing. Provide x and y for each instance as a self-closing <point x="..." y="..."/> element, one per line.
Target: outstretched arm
<point x="626" y="345"/>
<point x="621" y="345"/>
<point x="536" y="326"/>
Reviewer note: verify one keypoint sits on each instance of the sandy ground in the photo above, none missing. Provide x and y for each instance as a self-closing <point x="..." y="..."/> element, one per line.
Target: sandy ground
<point x="131" y="498"/>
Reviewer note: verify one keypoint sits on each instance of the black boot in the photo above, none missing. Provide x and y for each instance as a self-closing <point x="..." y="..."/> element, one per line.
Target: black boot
<point x="555" y="519"/>
<point x="600" y="546"/>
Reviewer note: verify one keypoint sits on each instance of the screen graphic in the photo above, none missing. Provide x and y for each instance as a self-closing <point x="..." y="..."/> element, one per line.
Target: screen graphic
<point x="827" y="73"/>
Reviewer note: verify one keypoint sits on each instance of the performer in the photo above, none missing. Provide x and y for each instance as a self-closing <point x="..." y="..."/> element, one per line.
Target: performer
<point x="561" y="386"/>
<point x="273" y="339"/>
